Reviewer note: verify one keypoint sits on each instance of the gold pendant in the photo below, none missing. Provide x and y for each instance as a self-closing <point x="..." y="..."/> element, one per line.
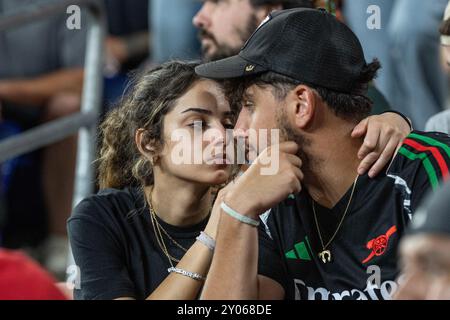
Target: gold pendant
<point x="325" y="256"/>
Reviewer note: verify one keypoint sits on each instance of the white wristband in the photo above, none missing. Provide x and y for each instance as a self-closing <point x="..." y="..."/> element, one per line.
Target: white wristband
<point x="238" y="216"/>
<point x="209" y="242"/>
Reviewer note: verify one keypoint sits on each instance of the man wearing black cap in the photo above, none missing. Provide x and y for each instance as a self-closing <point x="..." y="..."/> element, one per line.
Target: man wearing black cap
<point x="425" y="251"/>
<point x="225" y="25"/>
<point x="303" y="72"/>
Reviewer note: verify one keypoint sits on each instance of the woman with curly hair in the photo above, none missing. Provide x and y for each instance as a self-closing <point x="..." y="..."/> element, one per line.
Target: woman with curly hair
<point x="137" y="237"/>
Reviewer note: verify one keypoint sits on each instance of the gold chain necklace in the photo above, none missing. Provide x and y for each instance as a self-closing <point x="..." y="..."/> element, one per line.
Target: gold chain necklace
<point x="153" y="213"/>
<point x="157" y="230"/>
<point x="325" y="255"/>
<point x="161" y="243"/>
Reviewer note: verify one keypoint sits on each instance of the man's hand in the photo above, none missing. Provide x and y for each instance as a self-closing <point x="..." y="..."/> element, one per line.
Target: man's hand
<point x="384" y="135"/>
<point x="254" y="193"/>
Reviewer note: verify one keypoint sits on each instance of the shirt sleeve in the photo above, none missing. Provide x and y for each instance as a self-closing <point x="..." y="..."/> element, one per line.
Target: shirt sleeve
<point x="269" y="261"/>
<point x="98" y="253"/>
<point x="426" y="163"/>
<point x="421" y="188"/>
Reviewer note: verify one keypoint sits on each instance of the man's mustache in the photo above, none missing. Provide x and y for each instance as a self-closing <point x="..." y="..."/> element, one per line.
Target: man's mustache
<point x="203" y="34"/>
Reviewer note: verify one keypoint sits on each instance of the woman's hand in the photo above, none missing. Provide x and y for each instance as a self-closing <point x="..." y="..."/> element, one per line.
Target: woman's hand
<point x="384" y="135"/>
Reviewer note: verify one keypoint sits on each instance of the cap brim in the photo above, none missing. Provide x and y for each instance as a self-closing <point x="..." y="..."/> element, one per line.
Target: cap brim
<point x="228" y="68"/>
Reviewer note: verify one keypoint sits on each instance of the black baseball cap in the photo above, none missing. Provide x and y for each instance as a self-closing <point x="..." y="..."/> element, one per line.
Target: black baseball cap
<point x="308" y="45"/>
<point x="286" y="4"/>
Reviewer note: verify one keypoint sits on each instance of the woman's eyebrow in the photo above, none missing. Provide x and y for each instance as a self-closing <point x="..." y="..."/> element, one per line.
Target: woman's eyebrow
<point x="198" y="110"/>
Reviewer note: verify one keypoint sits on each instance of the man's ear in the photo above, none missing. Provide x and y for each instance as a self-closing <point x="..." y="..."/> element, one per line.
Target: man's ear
<point x="304" y="105"/>
<point x="263" y="11"/>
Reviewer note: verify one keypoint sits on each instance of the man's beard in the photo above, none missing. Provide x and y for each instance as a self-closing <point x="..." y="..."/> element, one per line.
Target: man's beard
<point x="223" y="51"/>
<point x="287" y="133"/>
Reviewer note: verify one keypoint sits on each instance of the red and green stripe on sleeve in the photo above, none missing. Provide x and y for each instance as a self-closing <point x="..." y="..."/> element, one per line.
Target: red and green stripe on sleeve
<point x="434" y="154"/>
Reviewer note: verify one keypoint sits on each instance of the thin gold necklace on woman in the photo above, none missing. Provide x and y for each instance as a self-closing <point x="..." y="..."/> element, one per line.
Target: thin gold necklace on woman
<point x="159" y="238"/>
<point x="325" y="254"/>
<point x="160" y="227"/>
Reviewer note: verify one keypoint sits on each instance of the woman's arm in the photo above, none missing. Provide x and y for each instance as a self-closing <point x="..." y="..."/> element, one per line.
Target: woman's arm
<point x="196" y="260"/>
<point x="179" y="287"/>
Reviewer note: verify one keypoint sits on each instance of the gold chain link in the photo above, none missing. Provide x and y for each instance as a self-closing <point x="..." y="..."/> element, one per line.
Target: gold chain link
<point x="340" y="223"/>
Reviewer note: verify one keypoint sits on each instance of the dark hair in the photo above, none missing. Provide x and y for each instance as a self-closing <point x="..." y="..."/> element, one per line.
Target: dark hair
<point x="286" y="4"/>
<point x="350" y="106"/>
<point x="153" y="95"/>
<point x="445" y="27"/>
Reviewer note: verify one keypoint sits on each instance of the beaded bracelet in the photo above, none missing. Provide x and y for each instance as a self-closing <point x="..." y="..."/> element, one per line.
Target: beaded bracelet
<point x="188" y="274"/>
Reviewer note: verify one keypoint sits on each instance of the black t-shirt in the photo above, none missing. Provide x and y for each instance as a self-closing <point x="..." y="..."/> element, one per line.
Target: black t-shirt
<point x="115" y="248"/>
<point x="366" y="245"/>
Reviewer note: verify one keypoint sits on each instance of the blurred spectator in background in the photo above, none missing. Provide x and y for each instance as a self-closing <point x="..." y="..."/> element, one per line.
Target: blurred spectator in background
<point x="41" y="81"/>
<point x="224" y="26"/>
<point x="41" y="77"/>
<point x="407" y="46"/>
<point x="441" y="121"/>
<point x="425" y="251"/>
<point x="23" y="279"/>
<point x="128" y="40"/>
<point x="127" y="44"/>
<point x="173" y="36"/>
